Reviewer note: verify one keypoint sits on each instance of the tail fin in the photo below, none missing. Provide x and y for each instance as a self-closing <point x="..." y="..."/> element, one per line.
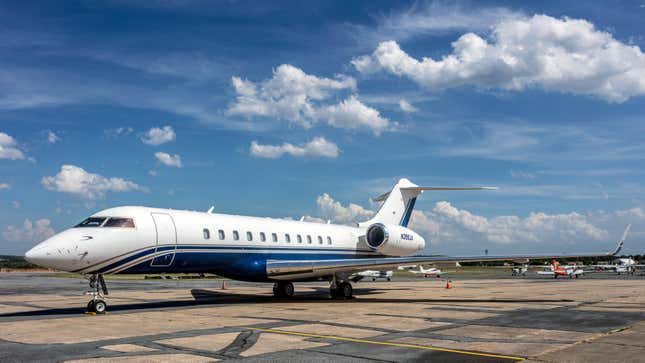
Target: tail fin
<point x="555" y="264"/>
<point x="399" y="202"/>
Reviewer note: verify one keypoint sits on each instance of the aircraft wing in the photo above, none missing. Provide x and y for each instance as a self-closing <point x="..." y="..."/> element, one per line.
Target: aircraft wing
<point x="303" y="269"/>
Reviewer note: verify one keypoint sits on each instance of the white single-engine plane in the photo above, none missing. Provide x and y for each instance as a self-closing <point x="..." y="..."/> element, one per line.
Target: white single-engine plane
<point x="141" y="240"/>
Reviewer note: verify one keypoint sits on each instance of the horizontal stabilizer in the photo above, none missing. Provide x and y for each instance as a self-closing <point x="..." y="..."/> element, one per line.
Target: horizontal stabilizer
<point x="419" y="190"/>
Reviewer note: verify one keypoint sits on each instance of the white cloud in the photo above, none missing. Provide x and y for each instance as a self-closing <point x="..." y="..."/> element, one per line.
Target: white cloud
<point x="29" y="232"/>
<point x="75" y="180"/>
<point x="446" y="222"/>
<point x="406" y="106"/>
<point x="565" y="55"/>
<point x="318" y="147"/>
<point x="118" y="132"/>
<point x="52" y="138"/>
<point x="4" y="186"/>
<point x="430" y="18"/>
<point x="297" y="97"/>
<point x="157" y="136"/>
<point x="460" y="229"/>
<point x="9" y="148"/>
<point x="167" y="159"/>
<point x="334" y="210"/>
<point x="352" y="113"/>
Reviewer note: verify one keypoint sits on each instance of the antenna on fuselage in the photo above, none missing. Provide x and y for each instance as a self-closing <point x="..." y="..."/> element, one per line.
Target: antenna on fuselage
<point x="210" y="210"/>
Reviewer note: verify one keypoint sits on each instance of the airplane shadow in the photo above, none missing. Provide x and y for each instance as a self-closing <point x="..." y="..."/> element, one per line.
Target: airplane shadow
<point x="202" y="297"/>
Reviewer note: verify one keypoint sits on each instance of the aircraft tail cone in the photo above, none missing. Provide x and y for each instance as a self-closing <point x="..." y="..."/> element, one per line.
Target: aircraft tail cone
<point x="448" y="284"/>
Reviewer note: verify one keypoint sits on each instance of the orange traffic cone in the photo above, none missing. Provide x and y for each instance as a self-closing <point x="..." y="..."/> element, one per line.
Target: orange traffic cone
<point x="448" y="285"/>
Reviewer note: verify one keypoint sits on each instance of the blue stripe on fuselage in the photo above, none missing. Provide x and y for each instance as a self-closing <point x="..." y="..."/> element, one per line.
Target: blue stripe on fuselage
<point x="238" y="266"/>
<point x="206" y="258"/>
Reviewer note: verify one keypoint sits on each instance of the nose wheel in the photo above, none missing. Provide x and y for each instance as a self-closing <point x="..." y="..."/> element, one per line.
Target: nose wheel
<point x="98" y="289"/>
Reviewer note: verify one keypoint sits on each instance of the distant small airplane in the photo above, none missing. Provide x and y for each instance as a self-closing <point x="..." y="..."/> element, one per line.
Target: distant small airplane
<point x="373" y="274"/>
<point x="558" y="270"/>
<point x="520" y="270"/>
<point x="432" y="271"/>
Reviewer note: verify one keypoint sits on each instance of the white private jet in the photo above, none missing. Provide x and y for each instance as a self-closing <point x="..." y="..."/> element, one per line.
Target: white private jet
<point x="141" y="240"/>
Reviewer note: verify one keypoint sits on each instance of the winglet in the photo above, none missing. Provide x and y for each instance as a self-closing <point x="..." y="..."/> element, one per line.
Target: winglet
<point x="622" y="241"/>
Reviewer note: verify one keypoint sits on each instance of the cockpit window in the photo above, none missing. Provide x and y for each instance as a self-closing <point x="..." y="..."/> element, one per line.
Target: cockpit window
<point x="92" y="222"/>
<point x="119" y="222"/>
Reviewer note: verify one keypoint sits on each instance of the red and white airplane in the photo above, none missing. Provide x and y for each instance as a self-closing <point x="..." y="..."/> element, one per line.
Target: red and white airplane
<point x="558" y="270"/>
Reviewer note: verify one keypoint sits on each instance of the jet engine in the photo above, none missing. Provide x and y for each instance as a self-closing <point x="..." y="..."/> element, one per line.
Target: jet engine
<point x="393" y="240"/>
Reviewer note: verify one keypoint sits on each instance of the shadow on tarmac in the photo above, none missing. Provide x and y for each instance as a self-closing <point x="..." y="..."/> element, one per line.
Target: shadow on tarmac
<point x="202" y="297"/>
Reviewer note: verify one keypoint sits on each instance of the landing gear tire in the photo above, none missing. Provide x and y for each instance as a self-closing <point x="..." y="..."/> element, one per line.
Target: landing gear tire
<point x="344" y="290"/>
<point x="283" y="289"/>
<point x="98" y="289"/>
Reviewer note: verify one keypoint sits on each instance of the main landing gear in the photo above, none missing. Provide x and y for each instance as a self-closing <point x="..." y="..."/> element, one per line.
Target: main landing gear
<point x="283" y="289"/>
<point x="98" y="291"/>
<point x="340" y="290"/>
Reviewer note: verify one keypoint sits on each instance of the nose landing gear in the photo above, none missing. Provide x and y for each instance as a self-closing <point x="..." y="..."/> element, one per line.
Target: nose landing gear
<point x="99" y="289"/>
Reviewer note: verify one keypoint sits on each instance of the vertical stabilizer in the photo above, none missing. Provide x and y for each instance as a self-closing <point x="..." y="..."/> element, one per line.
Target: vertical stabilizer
<point x="397" y="205"/>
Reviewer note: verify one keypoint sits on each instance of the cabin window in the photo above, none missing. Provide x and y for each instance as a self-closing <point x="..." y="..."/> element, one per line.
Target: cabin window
<point x="249" y="236"/>
<point x="299" y="237"/>
<point x="119" y="222"/>
<point x="92" y="222"/>
<point x="319" y="240"/>
<point x="287" y="238"/>
<point x="309" y="239"/>
<point x="274" y="237"/>
<point x="221" y="234"/>
<point x="263" y="237"/>
<point x="236" y="236"/>
<point x="328" y="240"/>
<point x="207" y="233"/>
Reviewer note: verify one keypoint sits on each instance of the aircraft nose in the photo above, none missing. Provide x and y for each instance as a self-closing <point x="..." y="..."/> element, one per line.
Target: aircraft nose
<point x="37" y="255"/>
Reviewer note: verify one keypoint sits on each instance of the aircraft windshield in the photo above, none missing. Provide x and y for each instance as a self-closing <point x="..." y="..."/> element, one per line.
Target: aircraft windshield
<point x="119" y="222"/>
<point x="92" y="222"/>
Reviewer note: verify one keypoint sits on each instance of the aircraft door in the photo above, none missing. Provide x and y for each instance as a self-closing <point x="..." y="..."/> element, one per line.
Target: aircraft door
<point x="166" y="239"/>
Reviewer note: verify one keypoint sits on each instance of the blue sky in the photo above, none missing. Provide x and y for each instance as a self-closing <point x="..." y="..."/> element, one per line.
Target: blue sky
<point x="293" y="109"/>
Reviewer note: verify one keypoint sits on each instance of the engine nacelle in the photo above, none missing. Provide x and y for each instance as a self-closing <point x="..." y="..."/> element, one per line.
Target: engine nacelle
<point x="393" y="240"/>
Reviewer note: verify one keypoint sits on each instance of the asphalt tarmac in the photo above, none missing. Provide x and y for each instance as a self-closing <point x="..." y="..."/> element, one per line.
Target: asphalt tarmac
<point x="490" y="318"/>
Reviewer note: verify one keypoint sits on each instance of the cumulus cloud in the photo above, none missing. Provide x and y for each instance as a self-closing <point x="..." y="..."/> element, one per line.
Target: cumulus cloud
<point x="352" y="113"/>
<point x="9" y="148"/>
<point x="459" y="229"/>
<point x="297" y="97"/>
<point x="52" y="138"/>
<point x="318" y="147"/>
<point x="406" y="106"/>
<point x="446" y="222"/>
<point x="157" y="136"/>
<point x="167" y="159"/>
<point x="75" y="180"/>
<point x="565" y="55"/>
<point x="29" y="232"/>
<point x="4" y="186"/>
<point x="335" y="211"/>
